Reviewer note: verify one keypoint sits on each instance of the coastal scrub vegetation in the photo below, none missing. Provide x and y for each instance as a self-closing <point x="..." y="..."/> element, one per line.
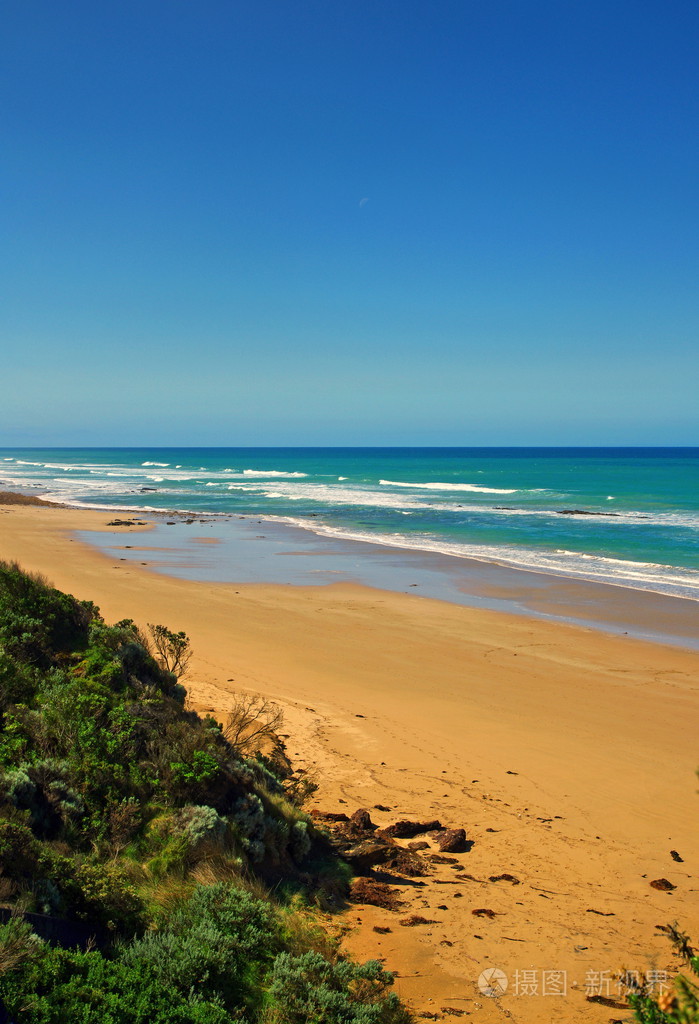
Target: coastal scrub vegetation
<point x="140" y="843"/>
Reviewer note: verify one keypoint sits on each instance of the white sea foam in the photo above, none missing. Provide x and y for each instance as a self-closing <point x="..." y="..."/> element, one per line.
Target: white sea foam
<point x="164" y="465"/>
<point x="586" y="556"/>
<point x="271" y="472"/>
<point x="95" y="478"/>
<point x="449" y="487"/>
<point x="654" y="577"/>
<point x="329" y="494"/>
<point x="332" y="495"/>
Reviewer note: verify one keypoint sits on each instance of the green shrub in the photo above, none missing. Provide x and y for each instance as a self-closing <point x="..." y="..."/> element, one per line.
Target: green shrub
<point x="195" y="775"/>
<point x="19" y="851"/>
<point x="18" y="682"/>
<point x="219" y="942"/>
<point x="309" y="989"/>
<point x="200" y="959"/>
<point x="251" y="922"/>
<point x="101" y="894"/>
<point x="90" y="891"/>
<point x="43" y="789"/>
<point x="58" y="986"/>
<point x="201" y="824"/>
<point x="300" y="841"/>
<point x="249" y="815"/>
<point x="17" y="788"/>
<point x="37" y="622"/>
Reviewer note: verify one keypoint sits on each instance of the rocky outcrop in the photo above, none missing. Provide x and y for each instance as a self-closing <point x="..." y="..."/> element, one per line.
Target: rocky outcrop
<point x="359" y="842"/>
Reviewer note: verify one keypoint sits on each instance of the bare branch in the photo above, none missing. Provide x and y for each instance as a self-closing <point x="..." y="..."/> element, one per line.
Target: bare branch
<point x="252" y="719"/>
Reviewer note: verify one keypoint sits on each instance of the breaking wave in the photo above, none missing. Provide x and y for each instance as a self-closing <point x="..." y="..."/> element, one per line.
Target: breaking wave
<point x="450" y="487"/>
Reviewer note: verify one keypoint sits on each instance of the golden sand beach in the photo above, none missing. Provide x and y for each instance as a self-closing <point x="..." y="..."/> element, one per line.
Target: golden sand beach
<point x="568" y="755"/>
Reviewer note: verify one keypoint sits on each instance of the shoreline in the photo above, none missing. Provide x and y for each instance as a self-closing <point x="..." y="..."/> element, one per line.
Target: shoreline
<point x="559" y="520"/>
<point x="298" y="555"/>
<point x="571" y="767"/>
<point x="322" y="531"/>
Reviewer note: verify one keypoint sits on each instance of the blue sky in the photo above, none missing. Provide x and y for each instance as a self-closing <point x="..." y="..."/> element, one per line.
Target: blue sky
<point x="349" y="222"/>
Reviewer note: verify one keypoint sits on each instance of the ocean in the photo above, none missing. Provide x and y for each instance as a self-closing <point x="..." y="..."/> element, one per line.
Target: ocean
<point x="627" y="516"/>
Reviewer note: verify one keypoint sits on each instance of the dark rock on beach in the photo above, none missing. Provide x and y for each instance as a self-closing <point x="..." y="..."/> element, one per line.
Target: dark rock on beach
<point x="662" y="884"/>
<point x="364" y="855"/>
<point x="408" y="829"/>
<point x="329" y="815"/>
<point x="364" y="847"/>
<point x="452" y="841"/>
<point x="375" y="894"/>
<point x="362" y="819"/>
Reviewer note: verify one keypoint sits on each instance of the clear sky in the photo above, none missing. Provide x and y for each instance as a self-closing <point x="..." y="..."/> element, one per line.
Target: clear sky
<point x="349" y="222"/>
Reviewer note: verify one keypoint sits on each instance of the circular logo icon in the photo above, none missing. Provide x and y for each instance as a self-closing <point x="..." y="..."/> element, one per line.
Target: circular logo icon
<point x="492" y="982"/>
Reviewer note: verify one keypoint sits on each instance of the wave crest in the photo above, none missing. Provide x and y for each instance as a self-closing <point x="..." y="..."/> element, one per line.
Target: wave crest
<point x="449" y="487"/>
<point x="272" y="472"/>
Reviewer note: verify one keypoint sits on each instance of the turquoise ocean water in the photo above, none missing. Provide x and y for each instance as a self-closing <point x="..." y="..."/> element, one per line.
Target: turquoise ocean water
<point x="519" y="507"/>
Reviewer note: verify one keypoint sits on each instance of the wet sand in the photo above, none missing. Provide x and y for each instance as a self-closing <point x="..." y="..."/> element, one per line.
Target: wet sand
<point x="568" y="754"/>
<point x="245" y="549"/>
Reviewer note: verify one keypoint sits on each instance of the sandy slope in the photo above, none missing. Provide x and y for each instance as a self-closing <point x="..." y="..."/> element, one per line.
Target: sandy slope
<point x="567" y="754"/>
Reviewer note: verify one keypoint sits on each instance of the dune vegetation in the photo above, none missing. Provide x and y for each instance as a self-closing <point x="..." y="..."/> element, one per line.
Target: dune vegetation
<point x="151" y="870"/>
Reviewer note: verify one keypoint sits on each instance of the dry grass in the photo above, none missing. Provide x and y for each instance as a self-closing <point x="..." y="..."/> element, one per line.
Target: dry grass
<point x="16" y="945"/>
<point x="218" y="869"/>
<point x="167" y="894"/>
<point x="304" y="931"/>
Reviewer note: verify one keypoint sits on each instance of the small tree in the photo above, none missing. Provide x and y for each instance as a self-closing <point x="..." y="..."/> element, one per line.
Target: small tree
<point x="172" y="650"/>
<point x="251" y="720"/>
